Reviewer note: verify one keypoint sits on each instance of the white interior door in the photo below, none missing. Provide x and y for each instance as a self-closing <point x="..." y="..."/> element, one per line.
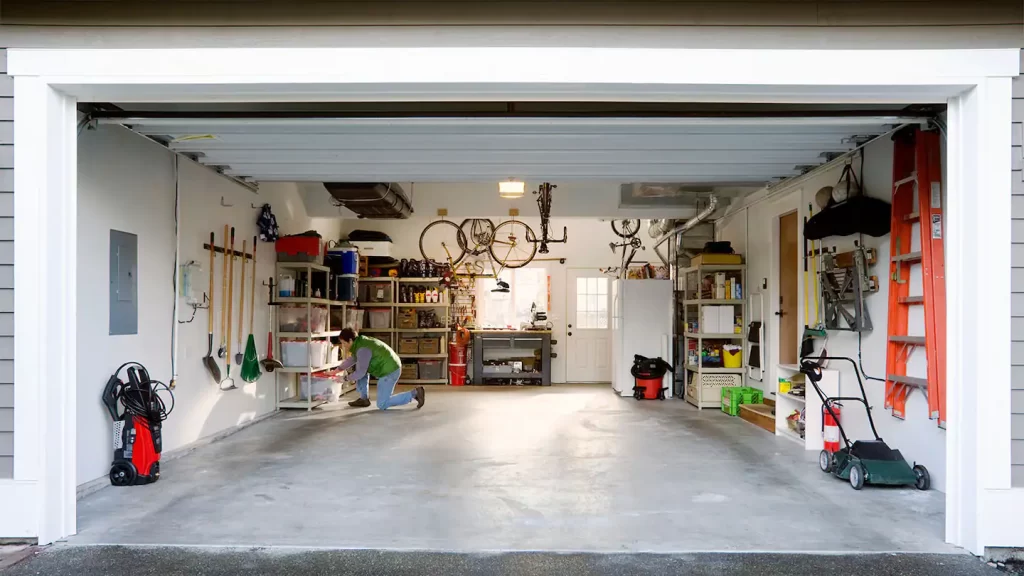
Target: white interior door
<point x="588" y="330"/>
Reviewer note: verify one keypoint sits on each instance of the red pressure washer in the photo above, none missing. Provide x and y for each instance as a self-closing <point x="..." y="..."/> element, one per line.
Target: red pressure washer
<point x="648" y="375"/>
<point x="137" y="410"/>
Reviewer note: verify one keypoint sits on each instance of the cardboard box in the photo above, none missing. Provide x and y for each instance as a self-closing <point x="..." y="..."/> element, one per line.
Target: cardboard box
<point x="726" y="319"/>
<point x="407" y="319"/>
<point x="410" y="371"/>
<point x="409" y="346"/>
<point x="709" y="318"/>
<point x="710" y="259"/>
<point x="430" y="345"/>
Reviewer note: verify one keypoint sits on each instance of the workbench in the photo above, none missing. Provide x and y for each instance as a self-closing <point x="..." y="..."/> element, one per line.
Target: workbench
<point x="511" y="344"/>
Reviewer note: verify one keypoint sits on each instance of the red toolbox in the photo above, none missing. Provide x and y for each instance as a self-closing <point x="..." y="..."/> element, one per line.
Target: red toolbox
<point x="298" y="248"/>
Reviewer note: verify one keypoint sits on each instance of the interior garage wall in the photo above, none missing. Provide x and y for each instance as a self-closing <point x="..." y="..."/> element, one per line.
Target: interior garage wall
<point x="126" y="182"/>
<point x="1017" y="286"/>
<point x="752" y="229"/>
<point x="6" y="270"/>
<point x="587" y="248"/>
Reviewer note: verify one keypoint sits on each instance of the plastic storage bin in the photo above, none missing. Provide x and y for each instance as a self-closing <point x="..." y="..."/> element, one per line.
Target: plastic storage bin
<point x="430" y="370"/>
<point x="325" y="388"/>
<point x="295" y="354"/>
<point x="379" y="318"/>
<point x="734" y="396"/>
<point x="295" y="319"/>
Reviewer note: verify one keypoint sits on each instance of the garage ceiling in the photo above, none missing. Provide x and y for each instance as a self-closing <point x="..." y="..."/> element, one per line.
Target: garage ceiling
<point x="698" y="151"/>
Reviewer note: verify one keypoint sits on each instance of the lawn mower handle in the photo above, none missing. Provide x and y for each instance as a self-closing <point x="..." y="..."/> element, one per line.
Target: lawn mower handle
<point x="814" y="364"/>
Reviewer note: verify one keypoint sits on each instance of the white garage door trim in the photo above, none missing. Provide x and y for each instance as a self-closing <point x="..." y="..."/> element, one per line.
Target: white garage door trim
<point x="976" y="83"/>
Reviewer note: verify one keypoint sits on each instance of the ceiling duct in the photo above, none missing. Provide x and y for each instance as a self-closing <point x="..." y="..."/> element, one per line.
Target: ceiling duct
<point x="376" y="200"/>
<point x="660" y="194"/>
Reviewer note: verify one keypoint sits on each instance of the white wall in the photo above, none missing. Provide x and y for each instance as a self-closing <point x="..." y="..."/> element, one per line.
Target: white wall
<point x="126" y="182"/>
<point x="587" y="248"/>
<point x="755" y="229"/>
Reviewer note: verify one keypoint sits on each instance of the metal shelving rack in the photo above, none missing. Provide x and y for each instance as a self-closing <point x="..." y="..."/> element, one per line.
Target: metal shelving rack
<point x="293" y="401"/>
<point x="689" y="298"/>
<point x="394" y="333"/>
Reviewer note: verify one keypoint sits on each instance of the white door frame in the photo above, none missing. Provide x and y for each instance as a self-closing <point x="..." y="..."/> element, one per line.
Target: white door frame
<point x="570" y="312"/>
<point x="982" y="510"/>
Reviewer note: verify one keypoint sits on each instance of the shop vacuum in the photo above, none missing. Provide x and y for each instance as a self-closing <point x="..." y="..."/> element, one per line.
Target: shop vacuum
<point x="648" y="374"/>
<point x="138" y="408"/>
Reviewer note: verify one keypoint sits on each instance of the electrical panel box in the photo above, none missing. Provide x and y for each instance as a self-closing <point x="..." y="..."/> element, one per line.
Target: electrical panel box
<point x="124" y="283"/>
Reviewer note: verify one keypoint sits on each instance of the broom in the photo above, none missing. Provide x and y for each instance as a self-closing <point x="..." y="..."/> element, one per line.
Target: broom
<point x="251" y="361"/>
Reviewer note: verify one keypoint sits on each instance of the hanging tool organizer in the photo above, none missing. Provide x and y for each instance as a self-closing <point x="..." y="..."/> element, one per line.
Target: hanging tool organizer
<point x="845" y="281"/>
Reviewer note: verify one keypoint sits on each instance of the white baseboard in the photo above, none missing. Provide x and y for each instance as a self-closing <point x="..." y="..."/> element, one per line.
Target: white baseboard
<point x="92" y="486"/>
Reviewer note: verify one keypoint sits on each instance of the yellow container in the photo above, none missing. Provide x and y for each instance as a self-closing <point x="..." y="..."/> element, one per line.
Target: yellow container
<point x="732" y="357"/>
<point x="785" y="386"/>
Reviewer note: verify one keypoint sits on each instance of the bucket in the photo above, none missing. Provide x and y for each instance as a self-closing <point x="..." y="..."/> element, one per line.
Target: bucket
<point x="346" y="287"/>
<point x="732" y="356"/>
<point x="456" y="374"/>
<point x="457" y="354"/>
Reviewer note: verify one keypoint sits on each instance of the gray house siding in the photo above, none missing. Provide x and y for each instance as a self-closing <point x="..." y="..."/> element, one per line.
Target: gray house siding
<point x="1017" y="286"/>
<point x="6" y="270"/>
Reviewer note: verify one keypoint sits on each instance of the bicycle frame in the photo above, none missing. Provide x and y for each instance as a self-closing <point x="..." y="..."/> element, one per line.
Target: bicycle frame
<point x="544" y="204"/>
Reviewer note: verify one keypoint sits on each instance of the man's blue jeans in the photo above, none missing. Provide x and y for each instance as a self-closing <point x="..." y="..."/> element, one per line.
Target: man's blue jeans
<point x="385" y="386"/>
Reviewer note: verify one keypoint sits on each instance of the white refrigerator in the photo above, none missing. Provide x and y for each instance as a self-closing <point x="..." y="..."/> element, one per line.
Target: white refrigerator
<point x="641" y="324"/>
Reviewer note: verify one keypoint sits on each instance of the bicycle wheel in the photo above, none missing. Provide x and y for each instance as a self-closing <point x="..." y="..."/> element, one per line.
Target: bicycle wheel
<point x="511" y="246"/>
<point x="443" y="241"/>
<point x="479" y="233"/>
<point x="625" y="228"/>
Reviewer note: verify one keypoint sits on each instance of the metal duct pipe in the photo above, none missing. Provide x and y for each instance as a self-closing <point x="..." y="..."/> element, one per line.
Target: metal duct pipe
<point x="659" y="227"/>
<point x="700" y="217"/>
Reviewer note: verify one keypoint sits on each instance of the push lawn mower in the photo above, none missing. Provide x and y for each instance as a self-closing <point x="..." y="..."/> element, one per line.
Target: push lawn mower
<point x="863" y="461"/>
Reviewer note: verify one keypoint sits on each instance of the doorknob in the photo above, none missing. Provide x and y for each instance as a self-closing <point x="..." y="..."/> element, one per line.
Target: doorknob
<point x="780" y="313"/>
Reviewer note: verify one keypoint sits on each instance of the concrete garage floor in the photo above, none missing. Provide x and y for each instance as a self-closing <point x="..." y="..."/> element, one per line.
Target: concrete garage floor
<point x="568" y="468"/>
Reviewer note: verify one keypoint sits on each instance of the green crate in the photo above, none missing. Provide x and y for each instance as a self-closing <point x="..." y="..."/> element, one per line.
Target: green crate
<point x="734" y="396"/>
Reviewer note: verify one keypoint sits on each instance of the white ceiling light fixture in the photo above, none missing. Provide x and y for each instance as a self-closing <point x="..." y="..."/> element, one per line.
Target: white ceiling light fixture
<point x="511" y="188"/>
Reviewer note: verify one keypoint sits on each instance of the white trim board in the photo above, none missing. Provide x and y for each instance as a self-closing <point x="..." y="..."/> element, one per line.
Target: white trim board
<point x="49" y="82"/>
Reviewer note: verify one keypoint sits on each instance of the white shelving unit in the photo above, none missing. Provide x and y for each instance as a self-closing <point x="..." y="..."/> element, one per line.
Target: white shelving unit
<point x="393" y="334"/>
<point x="702" y="385"/>
<point x="785" y="404"/>
<point x="293" y="374"/>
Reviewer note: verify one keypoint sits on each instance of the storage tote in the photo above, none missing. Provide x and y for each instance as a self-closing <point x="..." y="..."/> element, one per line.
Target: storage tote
<point x="379" y="318"/>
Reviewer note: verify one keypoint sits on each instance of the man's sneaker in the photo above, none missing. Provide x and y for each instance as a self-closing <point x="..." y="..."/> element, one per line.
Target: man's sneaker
<point x="421" y="397"/>
<point x="360" y="403"/>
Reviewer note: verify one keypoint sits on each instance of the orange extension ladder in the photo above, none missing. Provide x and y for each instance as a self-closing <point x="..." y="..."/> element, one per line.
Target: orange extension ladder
<point x="916" y="174"/>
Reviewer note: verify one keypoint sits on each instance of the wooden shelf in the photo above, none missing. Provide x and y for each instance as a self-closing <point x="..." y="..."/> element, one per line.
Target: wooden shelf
<point x="305" y="369"/>
<point x="303" y="266"/>
<point x="379" y="330"/>
<point x="425" y="305"/>
<point x="304" y="300"/>
<point x="722" y="336"/>
<point x="375" y="279"/>
<point x="307" y="335"/>
<point x="423" y="330"/>
<point x="693" y="368"/>
<point x="734" y="301"/>
<point x="419" y="280"/>
<point x="441" y="356"/>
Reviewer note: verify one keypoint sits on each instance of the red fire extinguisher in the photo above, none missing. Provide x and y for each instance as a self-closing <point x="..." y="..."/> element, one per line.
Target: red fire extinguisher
<point x="830" y="428"/>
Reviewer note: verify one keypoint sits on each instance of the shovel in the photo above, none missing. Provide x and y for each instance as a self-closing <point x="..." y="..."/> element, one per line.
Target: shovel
<point x="241" y="307"/>
<point x="227" y="383"/>
<point x="208" y="361"/>
<point x="224" y="292"/>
